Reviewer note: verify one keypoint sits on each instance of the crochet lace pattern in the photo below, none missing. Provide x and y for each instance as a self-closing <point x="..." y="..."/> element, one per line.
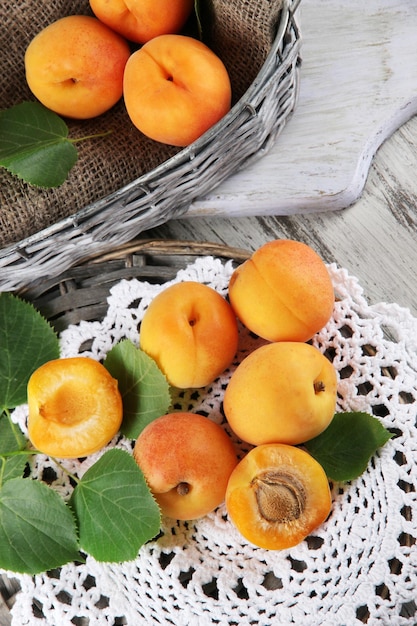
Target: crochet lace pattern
<point x="359" y="566"/>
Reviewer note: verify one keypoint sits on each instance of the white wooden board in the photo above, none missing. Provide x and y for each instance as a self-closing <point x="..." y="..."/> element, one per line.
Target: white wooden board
<point x="358" y="85"/>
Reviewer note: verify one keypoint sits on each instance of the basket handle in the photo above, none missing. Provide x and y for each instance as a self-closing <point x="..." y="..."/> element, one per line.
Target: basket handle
<point x="293" y="6"/>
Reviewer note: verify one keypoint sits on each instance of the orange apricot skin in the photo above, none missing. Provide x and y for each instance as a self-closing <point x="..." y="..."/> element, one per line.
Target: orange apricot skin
<point x="191" y="332"/>
<point x="175" y="88"/>
<point x="272" y="396"/>
<point x="241" y="501"/>
<point x="189" y="448"/>
<point x="142" y="20"/>
<point x="75" y="66"/>
<point x="75" y="407"/>
<point x="283" y="292"/>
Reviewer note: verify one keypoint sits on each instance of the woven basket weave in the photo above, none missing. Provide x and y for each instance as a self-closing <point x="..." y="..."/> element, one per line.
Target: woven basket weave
<point x="166" y="191"/>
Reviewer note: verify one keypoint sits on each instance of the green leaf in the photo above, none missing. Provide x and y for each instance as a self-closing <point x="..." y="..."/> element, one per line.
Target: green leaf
<point x="34" y="145"/>
<point x="11" y="440"/>
<point x="12" y="467"/>
<point x="204" y="14"/>
<point x="37" y="529"/>
<point x="116" y="511"/>
<point x="145" y="390"/>
<point x="197" y="11"/>
<point x="346" y="446"/>
<point x="27" y="341"/>
<point x="11" y="437"/>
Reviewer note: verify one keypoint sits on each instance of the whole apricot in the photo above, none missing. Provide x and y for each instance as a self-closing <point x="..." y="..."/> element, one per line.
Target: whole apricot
<point x="277" y="495"/>
<point x="142" y="20"/>
<point x="191" y="332"/>
<point x="75" y="66"/>
<point x="175" y="88"/>
<point x="282" y="392"/>
<point x="186" y="459"/>
<point x="75" y="407"/>
<point x="283" y="292"/>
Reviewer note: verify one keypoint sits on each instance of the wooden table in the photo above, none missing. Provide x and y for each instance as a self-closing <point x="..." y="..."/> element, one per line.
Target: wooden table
<point x="375" y="239"/>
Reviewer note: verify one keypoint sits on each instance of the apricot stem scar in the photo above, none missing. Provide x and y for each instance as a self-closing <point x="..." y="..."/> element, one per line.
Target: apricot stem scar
<point x="319" y="386"/>
<point x="183" y="489"/>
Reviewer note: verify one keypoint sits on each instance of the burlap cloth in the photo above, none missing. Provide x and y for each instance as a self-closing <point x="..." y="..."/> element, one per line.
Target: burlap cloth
<point x="239" y="31"/>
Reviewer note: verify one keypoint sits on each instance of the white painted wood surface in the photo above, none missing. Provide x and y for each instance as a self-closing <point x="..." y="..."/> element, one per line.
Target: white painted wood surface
<point x="358" y="85"/>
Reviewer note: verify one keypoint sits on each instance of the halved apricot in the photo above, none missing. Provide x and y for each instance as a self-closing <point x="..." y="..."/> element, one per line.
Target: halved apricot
<point x="277" y="495"/>
<point x="75" y="407"/>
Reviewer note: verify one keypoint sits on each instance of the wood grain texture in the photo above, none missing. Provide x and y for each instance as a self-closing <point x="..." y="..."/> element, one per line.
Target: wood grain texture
<point x="358" y="84"/>
<point x="375" y="239"/>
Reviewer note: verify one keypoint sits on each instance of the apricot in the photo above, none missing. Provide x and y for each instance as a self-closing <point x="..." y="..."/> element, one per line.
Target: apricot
<point x="75" y="66"/>
<point x="175" y="88"/>
<point x="191" y="332"/>
<point x="142" y="20"/>
<point x="283" y="292"/>
<point x="75" y="407"/>
<point x="186" y="459"/>
<point x="277" y="495"/>
<point x="282" y="392"/>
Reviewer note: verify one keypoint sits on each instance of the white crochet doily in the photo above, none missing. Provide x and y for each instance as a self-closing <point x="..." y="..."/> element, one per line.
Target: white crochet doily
<point x="361" y="564"/>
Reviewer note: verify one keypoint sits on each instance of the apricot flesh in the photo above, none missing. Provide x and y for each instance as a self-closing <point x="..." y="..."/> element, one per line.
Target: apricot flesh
<point x="186" y="459"/>
<point x="191" y="332"/>
<point x="283" y="292"/>
<point x="277" y="495"/>
<point x="75" y="407"/>
<point x="282" y="392"/>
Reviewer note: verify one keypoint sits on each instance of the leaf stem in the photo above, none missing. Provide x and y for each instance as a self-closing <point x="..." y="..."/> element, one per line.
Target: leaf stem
<point x="64" y="469"/>
<point x="94" y="136"/>
<point x="14" y="427"/>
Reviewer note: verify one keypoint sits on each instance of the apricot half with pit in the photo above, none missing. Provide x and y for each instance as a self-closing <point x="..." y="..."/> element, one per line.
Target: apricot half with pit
<point x="75" y="407"/>
<point x="277" y="495"/>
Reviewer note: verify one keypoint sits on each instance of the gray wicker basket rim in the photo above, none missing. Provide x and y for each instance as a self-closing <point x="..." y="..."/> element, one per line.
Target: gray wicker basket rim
<point x="242" y="136"/>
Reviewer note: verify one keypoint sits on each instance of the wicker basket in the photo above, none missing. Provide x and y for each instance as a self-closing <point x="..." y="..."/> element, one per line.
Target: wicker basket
<point x="166" y="192"/>
<point x="81" y="291"/>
